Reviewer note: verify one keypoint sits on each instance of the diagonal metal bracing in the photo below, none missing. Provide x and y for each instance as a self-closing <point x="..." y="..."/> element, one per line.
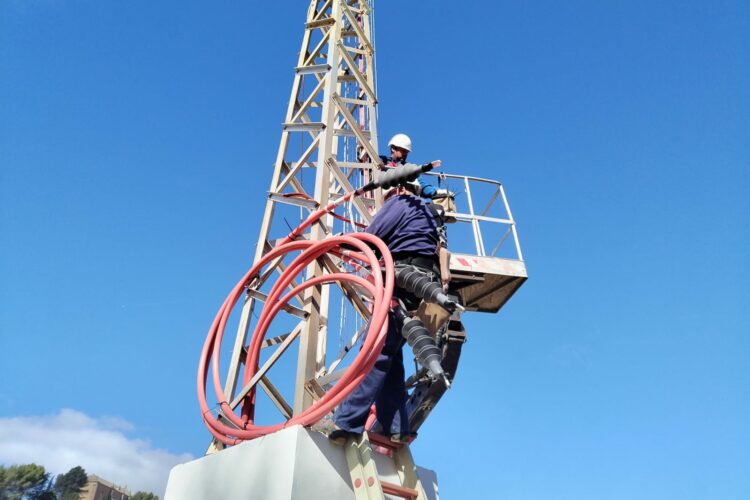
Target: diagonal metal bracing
<point x="355" y="72"/>
<point x="276" y="265"/>
<point x="364" y="40"/>
<point x="306" y="105"/>
<point x="291" y="177"/>
<point x="300" y="163"/>
<point x="321" y="9"/>
<point x="268" y="387"/>
<point x="502" y="240"/>
<point x="234" y="366"/>
<point x="276" y="398"/>
<point x="492" y="200"/>
<point x="317" y="50"/>
<point x="346" y="186"/>
<point x="273" y="341"/>
<point x="267" y="365"/>
<point x="352" y="122"/>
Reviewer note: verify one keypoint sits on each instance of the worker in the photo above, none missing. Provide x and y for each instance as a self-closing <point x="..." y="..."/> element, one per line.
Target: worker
<point x="400" y="145"/>
<point x="410" y="228"/>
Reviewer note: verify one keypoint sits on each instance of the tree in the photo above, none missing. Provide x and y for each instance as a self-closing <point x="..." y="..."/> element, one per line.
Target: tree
<point x="142" y="495"/>
<point x="18" y="481"/>
<point x="69" y="486"/>
<point x="45" y="495"/>
<point x="44" y="491"/>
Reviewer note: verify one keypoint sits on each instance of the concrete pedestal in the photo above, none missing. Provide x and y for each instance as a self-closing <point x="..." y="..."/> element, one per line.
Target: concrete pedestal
<point x="292" y="464"/>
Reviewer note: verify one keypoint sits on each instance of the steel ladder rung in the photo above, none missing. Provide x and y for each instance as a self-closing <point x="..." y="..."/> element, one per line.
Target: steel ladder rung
<point x="364" y="471"/>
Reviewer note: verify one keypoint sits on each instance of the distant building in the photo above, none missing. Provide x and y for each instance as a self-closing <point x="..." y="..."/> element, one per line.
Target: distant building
<point x="99" y="489"/>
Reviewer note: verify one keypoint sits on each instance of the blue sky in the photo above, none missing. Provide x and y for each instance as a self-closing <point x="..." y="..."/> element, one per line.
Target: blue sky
<point x="137" y="141"/>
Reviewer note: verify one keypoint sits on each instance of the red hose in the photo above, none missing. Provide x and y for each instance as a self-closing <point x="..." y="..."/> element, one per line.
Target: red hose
<point x="379" y="286"/>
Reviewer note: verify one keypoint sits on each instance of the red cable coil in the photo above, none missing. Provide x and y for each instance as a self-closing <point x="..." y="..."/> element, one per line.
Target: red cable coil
<point x="380" y="287"/>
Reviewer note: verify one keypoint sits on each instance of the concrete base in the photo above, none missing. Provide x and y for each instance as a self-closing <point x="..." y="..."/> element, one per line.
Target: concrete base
<point x="292" y="464"/>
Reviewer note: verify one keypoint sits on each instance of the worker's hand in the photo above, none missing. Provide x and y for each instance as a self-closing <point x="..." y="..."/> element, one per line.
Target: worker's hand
<point x="445" y="278"/>
<point x="436" y="163"/>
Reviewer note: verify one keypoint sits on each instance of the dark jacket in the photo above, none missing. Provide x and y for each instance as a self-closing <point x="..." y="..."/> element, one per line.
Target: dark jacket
<point x="407" y="226"/>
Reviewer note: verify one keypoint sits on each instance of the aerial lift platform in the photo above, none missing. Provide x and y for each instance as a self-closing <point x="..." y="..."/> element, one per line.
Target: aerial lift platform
<point x="328" y="150"/>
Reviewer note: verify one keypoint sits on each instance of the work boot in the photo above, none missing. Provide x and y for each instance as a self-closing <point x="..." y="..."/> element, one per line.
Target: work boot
<point x="403" y="438"/>
<point x="325" y="425"/>
<point x="335" y="434"/>
<point x="341" y="436"/>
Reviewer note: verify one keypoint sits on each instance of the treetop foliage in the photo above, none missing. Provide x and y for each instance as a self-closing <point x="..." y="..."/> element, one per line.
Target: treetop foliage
<point x="32" y="482"/>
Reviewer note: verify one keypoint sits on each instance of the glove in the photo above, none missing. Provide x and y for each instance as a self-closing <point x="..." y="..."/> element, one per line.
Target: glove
<point x="443" y="193"/>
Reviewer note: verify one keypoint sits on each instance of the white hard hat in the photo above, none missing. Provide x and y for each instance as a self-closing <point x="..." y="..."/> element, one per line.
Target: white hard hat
<point x="400" y="141"/>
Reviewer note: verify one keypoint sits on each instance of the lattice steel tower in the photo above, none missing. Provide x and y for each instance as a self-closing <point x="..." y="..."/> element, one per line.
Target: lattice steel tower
<point x="329" y="128"/>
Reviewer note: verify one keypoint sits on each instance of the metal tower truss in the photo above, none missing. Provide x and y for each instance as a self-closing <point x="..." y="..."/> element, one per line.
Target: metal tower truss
<point x="328" y="138"/>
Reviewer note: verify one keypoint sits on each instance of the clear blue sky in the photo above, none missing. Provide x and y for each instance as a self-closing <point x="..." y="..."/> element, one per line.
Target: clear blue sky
<point x="137" y="141"/>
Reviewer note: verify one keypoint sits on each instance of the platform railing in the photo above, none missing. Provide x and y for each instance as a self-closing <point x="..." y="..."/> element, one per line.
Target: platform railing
<point x="494" y="192"/>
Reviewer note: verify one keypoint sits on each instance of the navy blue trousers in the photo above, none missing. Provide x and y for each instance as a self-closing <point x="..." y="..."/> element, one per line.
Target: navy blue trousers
<point x="384" y="386"/>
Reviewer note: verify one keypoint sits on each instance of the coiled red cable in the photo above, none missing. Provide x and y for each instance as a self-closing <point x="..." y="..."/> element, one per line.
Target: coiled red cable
<point x="237" y="428"/>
